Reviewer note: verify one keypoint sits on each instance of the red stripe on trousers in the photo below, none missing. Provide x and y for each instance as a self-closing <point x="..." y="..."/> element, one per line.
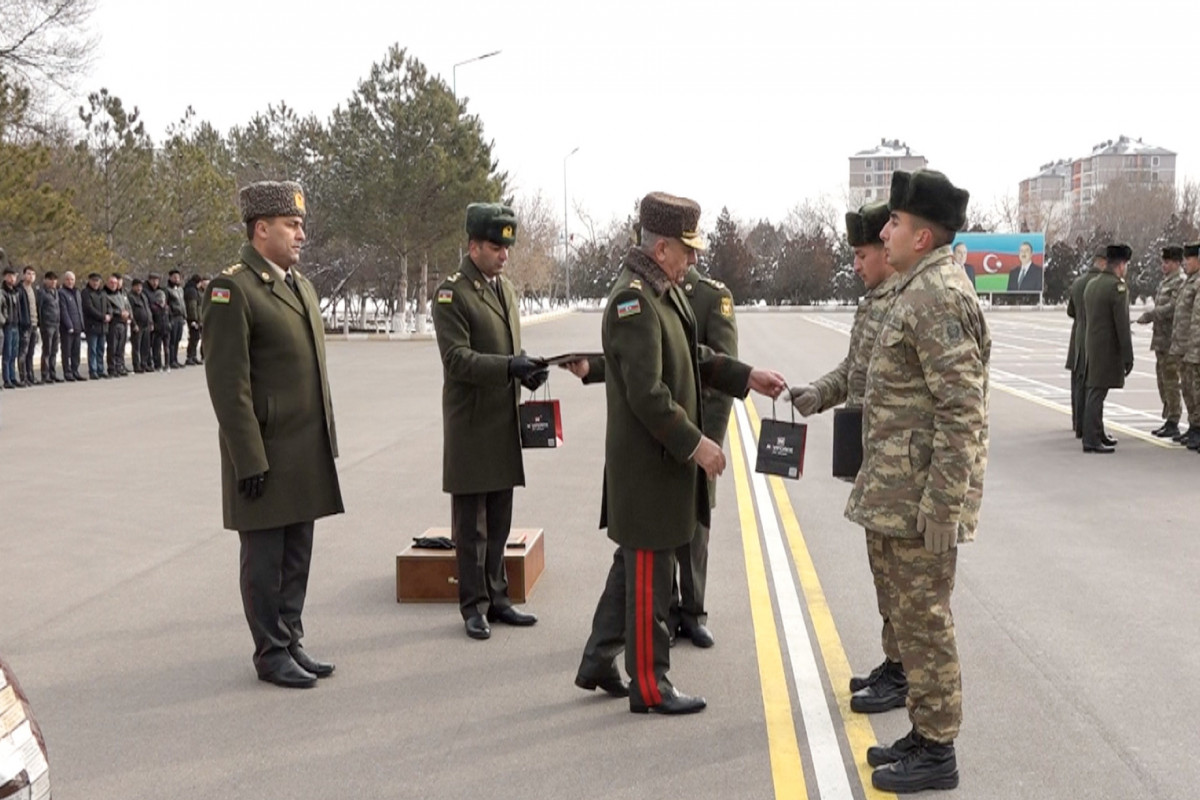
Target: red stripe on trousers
<point x="638" y="630"/>
<point x="654" y="696"/>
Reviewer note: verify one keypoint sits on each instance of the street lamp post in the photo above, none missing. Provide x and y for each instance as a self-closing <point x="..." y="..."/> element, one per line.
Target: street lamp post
<point x="454" y="70"/>
<point x="566" y="225"/>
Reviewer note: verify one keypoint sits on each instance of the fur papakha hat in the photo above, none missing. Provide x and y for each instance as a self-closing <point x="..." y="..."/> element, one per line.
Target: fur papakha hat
<point x="271" y="199"/>
<point x="1118" y="253"/>
<point x="1191" y="250"/>
<point x="1172" y="253"/>
<point x="930" y="195"/>
<point x="492" y="222"/>
<point x="863" y="226"/>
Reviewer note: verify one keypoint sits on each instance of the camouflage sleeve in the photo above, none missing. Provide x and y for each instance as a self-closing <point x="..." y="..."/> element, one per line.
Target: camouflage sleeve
<point x="634" y="349"/>
<point x="226" y="340"/>
<point x="1166" y="309"/>
<point x="949" y="337"/>
<point x="453" y="332"/>
<point x="834" y="386"/>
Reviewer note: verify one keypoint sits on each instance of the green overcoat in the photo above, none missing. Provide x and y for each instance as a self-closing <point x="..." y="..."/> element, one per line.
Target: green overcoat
<point x="264" y="358"/>
<point x="481" y="437"/>
<point x="654" y="494"/>
<point x="1109" y="344"/>
<point x="1076" y="347"/>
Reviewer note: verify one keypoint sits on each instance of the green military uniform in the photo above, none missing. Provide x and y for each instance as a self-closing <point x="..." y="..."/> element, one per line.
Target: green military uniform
<point x="1109" y="346"/>
<point x="654" y="493"/>
<point x="1077" y="347"/>
<point x="1181" y="336"/>
<point x="264" y="343"/>
<point x="478" y="328"/>
<point x="716" y="327"/>
<point x="925" y="443"/>
<point x="1162" y="318"/>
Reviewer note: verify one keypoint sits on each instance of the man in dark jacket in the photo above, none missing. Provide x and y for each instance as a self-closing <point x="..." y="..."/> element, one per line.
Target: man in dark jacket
<point x="192" y="305"/>
<point x="178" y="310"/>
<point x="11" y="296"/>
<point x="70" y="306"/>
<point x="160" y="328"/>
<point x="118" y="312"/>
<point x="29" y="327"/>
<point x="1077" y="345"/>
<point x="95" y="324"/>
<point x="141" y="324"/>
<point x="49" y="319"/>
<point x="1109" y="345"/>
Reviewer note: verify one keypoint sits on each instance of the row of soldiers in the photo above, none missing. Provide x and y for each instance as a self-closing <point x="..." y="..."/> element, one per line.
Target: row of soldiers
<point x="145" y="317"/>
<point x="1175" y="340"/>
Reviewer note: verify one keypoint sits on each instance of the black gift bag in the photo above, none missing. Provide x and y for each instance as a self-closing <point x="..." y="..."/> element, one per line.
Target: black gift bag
<point x="847" y="443"/>
<point x="781" y="446"/>
<point x="541" y="422"/>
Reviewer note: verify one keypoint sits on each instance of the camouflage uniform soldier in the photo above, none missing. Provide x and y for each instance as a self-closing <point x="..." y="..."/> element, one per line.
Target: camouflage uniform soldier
<point x="1162" y="316"/>
<point x="886" y="686"/>
<point x="1191" y="365"/>
<point x="925" y="436"/>
<point x="1181" y="340"/>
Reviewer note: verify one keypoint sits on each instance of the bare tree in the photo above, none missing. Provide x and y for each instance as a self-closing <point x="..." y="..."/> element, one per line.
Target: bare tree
<point x="532" y="265"/>
<point x="45" y="40"/>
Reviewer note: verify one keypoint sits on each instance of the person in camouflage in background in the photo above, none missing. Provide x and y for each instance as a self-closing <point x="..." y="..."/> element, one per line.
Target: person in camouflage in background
<point x="1162" y="316"/>
<point x="1181" y="340"/>
<point x="925" y="439"/>
<point x="1190" y="369"/>
<point x="886" y="687"/>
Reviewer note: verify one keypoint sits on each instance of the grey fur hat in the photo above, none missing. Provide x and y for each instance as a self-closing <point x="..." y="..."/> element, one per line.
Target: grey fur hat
<point x="271" y="199"/>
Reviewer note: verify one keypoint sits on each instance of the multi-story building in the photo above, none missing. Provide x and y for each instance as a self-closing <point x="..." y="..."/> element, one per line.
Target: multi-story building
<point x="871" y="170"/>
<point x="1072" y="185"/>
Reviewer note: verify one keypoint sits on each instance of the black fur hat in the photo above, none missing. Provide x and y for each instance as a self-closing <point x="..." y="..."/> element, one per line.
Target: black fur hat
<point x="930" y="195"/>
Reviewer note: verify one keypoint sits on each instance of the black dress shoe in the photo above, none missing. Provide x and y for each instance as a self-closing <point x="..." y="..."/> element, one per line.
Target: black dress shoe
<point x="290" y="676"/>
<point x="613" y="686"/>
<point x="1099" y="448"/>
<point x="673" y="703"/>
<point x="477" y="628"/>
<point x="510" y="616"/>
<point x="700" y="635"/>
<point x="1111" y="441"/>
<point x="321" y="669"/>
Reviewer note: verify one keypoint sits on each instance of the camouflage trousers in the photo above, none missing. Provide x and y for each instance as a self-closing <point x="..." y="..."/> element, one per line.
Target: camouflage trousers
<point x="919" y="586"/>
<point x="883" y="593"/>
<point x="1189" y="379"/>
<point x="1166" y="367"/>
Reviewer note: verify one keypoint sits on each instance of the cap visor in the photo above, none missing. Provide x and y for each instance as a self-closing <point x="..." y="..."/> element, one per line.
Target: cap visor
<point x="694" y="242"/>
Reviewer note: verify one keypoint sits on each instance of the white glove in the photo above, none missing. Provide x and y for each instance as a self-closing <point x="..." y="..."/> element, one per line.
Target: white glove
<point x="939" y="536"/>
<point x="806" y="399"/>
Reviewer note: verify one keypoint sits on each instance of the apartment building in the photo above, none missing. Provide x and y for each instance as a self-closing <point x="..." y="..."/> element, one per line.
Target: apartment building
<point x="871" y="170"/>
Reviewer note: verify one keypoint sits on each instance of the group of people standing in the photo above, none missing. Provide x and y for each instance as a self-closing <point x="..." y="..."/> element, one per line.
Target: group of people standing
<point x="146" y="318"/>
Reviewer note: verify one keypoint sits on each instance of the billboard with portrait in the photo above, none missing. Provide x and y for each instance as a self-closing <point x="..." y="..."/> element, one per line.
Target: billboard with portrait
<point x="1002" y="263"/>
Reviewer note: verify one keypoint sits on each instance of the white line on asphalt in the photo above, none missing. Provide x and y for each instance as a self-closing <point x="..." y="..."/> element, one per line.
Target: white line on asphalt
<point x="828" y="764"/>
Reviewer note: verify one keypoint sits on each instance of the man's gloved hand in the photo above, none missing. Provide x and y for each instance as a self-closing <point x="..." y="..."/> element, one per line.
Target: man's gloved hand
<point x="1128" y="369"/>
<point x="252" y="488"/>
<point x="535" y="380"/>
<point x="806" y="399"/>
<point x="939" y="536"/>
<point x="522" y="366"/>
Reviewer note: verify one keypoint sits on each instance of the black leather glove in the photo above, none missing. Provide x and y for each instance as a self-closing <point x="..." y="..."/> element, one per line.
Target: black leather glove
<point x="535" y="380"/>
<point x="522" y="366"/>
<point x="252" y="488"/>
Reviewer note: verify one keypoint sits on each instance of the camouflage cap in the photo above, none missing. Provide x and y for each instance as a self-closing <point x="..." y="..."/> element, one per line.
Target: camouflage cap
<point x="1172" y="253"/>
<point x="863" y="226"/>
<point x="1119" y="253"/>
<point x="492" y="222"/>
<point x="1191" y="250"/>
<point x="930" y="195"/>
<point x="671" y="216"/>
<point x="271" y="199"/>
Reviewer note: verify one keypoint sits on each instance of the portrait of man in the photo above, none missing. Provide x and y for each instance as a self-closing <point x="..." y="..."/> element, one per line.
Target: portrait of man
<point x="1027" y="277"/>
<point x="960" y="258"/>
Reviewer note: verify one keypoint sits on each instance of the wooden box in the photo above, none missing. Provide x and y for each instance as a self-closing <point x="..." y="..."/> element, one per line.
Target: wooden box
<point x="431" y="576"/>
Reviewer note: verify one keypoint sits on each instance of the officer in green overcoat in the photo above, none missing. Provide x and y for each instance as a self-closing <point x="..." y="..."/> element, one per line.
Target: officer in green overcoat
<point x="264" y="345"/>
<point x="1109" y="344"/>
<point x="657" y="457"/>
<point x="1076" y="346"/>
<point x="478" y="327"/>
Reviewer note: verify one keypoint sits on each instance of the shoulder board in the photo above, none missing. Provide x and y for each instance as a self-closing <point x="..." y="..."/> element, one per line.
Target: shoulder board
<point x="233" y="269"/>
<point x="454" y="277"/>
<point x="636" y="283"/>
<point x="713" y="283"/>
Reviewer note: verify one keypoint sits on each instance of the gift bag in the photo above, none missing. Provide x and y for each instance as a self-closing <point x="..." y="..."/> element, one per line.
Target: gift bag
<point x="847" y="443"/>
<point x="541" y="422"/>
<point x="781" y="446"/>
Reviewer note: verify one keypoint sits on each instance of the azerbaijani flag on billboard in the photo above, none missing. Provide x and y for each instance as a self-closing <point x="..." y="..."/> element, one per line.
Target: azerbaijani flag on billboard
<point x="1002" y="263"/>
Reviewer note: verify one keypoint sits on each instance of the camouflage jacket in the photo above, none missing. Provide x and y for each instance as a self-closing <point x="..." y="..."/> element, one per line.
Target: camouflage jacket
<point x="925" y="412"/>
<point x="1191" y="353"/>
<point x="1182" y="326"/>
<point x="1162" y="316"/>
<point x="835" y="386"/>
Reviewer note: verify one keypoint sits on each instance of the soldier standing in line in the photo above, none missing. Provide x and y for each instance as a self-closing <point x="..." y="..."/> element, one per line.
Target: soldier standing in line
<point x="267" y="379"/>
<point x="1162" y="317"/>
<point x="478" y="328"/>
<point x="925" y="440"/>
<point x="1109" y="345"/>
<point x="1191" y="360"/>
<point x="1077" y="347"/>
<point x="1181" y="332"/>
<point x="886" y="686"/>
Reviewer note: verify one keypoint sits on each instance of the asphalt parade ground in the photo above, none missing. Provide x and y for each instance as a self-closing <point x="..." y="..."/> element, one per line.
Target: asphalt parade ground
<point x="1076" y="610"/>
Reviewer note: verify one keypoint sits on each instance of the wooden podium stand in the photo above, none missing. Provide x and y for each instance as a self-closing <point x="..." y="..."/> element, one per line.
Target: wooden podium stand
<point x="431" y="576"/>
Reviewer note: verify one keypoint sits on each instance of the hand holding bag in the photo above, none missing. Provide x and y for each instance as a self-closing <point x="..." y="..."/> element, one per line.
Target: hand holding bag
<point x="781" y="446"/>
<point x="541" y="421"/>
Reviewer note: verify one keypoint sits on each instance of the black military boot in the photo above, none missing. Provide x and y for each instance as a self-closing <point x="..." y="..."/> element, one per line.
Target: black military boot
<point x="1193" y="440"/>
<point x="863" y="681"/>
<point x="1169" y="430"/>
<point x="889" y="691"/>
<point x="923" y="764"/>
<point x="1182" y="436"/>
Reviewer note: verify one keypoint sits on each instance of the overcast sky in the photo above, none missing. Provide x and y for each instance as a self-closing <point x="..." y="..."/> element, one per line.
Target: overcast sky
<point x="751" y="104"/>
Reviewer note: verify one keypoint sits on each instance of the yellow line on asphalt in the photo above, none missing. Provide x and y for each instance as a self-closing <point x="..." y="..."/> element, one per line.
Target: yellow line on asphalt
<point x="787" y="771"/>
<point x="859" y="732"/>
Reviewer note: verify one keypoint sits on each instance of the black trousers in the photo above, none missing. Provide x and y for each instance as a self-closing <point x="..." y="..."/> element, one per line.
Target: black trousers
<point x="1078" y="399"/>
<point x="176" y="338"/>
<point x="479" y="526"/>
<point x="140" y="348"/>
<point x="118" y="333"/>
<point x="29" y="341"/>
<point x="160" y="340"/>
<point x="70" y="352"/>
<point x="49" y="353"/>
<point x="687" y="592"/>
<point x="274" y="582"/>
<point x="1093" y="417"/>
<point x="193" y="341"/>
<point x="632" y="616"/>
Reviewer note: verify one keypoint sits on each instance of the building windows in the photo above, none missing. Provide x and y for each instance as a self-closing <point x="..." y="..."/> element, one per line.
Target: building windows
<point x="1154" y="161"/>
<point x="867" y="164"/>
<point x="867" y="179"/>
